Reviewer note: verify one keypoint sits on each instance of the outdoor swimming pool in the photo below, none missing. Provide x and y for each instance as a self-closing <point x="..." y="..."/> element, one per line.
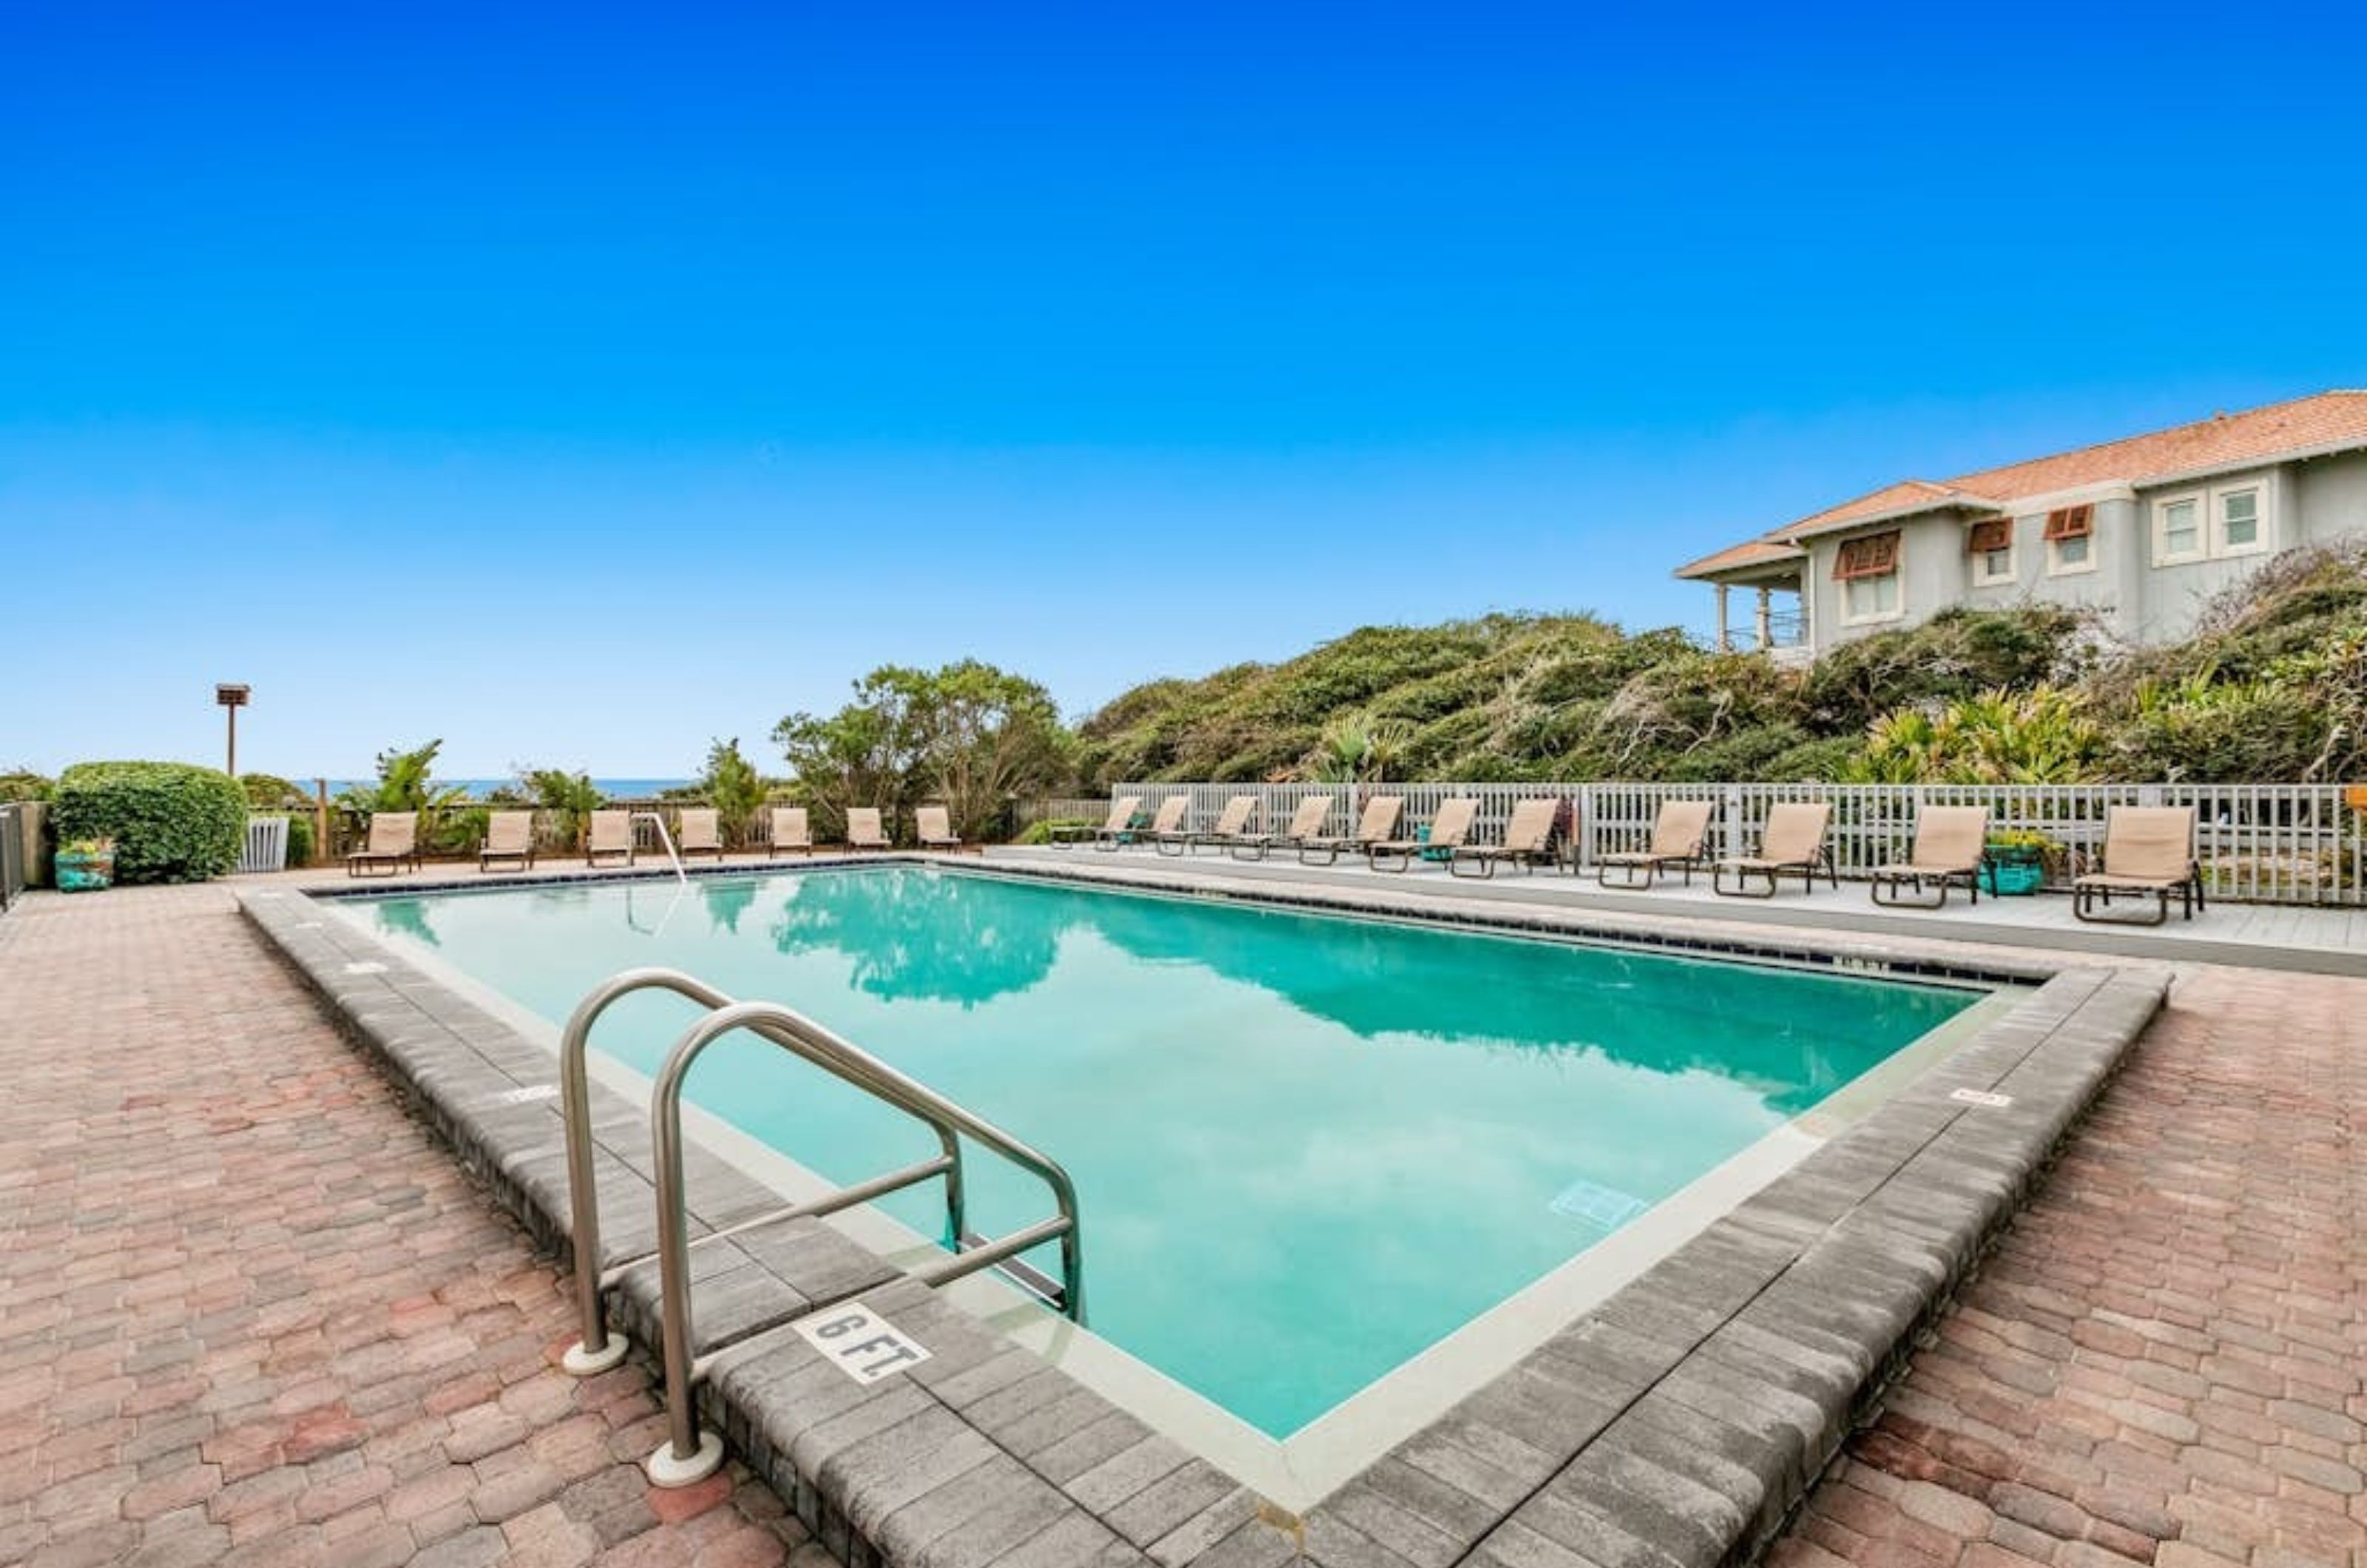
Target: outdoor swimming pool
<point x="1307" y="1148"/>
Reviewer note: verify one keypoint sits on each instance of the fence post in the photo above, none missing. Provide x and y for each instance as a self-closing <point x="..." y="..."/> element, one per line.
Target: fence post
<point x="1731" y="835"/>
<point x="322" y="851"/>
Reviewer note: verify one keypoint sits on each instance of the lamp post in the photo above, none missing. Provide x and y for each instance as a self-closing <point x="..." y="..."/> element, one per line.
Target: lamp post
<point x="232" y="699"/>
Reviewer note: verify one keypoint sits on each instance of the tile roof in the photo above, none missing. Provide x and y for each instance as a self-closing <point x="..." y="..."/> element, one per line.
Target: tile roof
<point x="1750" y="552"/>
<point x="2330" y="421"/>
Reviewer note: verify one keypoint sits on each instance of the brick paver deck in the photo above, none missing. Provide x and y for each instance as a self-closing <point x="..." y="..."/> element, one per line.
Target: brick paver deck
<point x="2162" y="1362"/>
<point x="250" y="1312"/>
<point x="247" y="1307"/>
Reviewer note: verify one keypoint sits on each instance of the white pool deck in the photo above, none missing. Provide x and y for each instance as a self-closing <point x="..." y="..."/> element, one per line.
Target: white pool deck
<point x="2255" y="936"/>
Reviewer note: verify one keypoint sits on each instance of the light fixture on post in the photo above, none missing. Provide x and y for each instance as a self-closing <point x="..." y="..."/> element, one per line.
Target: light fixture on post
<point x="232" y="699"/>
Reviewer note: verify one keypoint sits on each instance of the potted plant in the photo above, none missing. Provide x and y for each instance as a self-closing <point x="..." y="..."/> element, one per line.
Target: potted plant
<point x="82" y="865"/>
<point x="2015" y="863"/>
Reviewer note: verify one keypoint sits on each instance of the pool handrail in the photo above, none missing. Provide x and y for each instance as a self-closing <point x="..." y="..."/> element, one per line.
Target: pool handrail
<point x="600" y="1348"/>
<point x="685" y="1458"/>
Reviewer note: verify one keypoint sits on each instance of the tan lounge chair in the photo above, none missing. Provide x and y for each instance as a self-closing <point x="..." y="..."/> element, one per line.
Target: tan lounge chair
<point x="2147" y="848"/>
<point x="862" y="829"/>
<point x="790" y="831"/>
<point x="1231" y="823"/>
<point x="932" y="825"/>
<point x="1950" y="842"/>
<point x="1793" y="840"/>
<point x="1166" y="822"/>
<point x="1121" y="817"/>
<point x="1680" y="838"/>
<point x="509" y="835"/>
<point x="700" y="831"/>
<point x="611" y="834"/>
<point x="1305" y="823"/>
<point x="394" y="843"/>
<point x="1528" y="839"/>
<point x="1447" y="831"/>
<point x="1378" y="821"/>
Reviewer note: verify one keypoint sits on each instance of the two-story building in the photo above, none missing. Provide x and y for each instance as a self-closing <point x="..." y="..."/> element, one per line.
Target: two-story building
<point x="2142" y="532"/>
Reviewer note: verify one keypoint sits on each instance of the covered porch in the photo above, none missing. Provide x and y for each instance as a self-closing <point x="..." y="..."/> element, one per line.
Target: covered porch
<point x="1761" y="605"/>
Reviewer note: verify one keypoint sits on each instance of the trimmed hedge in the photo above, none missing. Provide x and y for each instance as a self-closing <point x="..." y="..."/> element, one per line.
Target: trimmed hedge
<point x="171" y="822"/>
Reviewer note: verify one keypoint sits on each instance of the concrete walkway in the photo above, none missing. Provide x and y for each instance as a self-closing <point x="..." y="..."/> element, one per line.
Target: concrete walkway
<point x="251" y="1313"/>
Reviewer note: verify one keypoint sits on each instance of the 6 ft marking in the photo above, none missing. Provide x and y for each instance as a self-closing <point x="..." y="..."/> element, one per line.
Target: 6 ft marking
<point x="859" y="1342"/>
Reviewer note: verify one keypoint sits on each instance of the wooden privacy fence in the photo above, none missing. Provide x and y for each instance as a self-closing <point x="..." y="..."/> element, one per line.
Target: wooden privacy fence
<point x="2258" y="843"/>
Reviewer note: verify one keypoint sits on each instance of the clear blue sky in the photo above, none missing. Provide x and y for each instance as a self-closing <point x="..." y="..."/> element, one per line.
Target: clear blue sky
<point x="578" y="388"/>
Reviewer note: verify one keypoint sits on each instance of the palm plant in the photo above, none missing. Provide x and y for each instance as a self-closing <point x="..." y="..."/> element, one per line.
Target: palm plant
<point x="1357" y="747"/>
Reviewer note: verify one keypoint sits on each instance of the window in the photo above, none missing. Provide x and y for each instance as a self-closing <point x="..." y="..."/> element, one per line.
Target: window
<point x="1991" y="544"/>
<point x="2177" y="530"/>
<point x="2200" y="526"/>
<point x="2070" y="540"/>
<point x="2239" y="521"/>
<point x="1867" y="570"/>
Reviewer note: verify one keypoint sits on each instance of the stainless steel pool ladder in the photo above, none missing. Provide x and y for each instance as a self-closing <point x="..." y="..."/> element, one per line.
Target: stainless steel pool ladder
<point x="666" y="839"/>
<point x="687" y="1456"/>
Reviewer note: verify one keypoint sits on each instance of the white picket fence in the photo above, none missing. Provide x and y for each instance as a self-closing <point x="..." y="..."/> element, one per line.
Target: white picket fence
<point x="2258" y="843"/>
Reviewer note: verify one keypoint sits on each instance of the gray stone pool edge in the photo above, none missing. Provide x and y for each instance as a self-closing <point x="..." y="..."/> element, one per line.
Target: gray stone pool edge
<point x="1679" y="1423"/>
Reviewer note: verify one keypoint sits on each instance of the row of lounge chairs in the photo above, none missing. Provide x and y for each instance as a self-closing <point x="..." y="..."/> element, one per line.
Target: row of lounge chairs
<point x="1528" y="843"/>
<point x="393" y="842"/>
<point x="2148" y="850"/>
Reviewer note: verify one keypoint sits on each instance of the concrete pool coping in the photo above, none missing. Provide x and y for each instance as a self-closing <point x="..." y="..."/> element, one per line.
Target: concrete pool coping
<point x="1679" y="1421"/>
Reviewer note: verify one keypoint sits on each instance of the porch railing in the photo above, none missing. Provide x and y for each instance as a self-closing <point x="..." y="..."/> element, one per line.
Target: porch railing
<point x="2258" y="843"/>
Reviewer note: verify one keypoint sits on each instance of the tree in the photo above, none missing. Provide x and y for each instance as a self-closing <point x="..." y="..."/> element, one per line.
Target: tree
<point x="731" y="785"/>
<point x="868" y="753"/>
<point x="968" y="732"/>
<point x="992" y="736"/>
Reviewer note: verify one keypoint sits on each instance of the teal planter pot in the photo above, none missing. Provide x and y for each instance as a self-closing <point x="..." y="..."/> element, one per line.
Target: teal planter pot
<point x="83" y="871"/>
<point x="2010" y="874"/>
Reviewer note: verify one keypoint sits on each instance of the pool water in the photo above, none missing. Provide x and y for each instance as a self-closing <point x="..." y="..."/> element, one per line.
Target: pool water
<point x="1305" y="1148"/>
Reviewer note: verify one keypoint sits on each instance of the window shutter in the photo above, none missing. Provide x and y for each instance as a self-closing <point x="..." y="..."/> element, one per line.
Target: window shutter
<point x="2070" y="522"/>
<point x="1873" y="555"/>
<point x="1990" y="534"/>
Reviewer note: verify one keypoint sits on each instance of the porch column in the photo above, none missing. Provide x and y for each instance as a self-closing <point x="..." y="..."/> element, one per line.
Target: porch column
<point x="1766" y="627"/>
<point x="1725" y="645"/>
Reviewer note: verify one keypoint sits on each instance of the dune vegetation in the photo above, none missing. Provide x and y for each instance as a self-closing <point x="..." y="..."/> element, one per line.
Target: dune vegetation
<point x="2271" y="687"/>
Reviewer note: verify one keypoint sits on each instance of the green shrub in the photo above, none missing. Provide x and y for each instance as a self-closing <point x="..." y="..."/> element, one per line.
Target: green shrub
<point x="2046" y="735"/>
<point x="170" y="822"/>
<point x="23" y="784"/>
<point x="1956" y="654"/>
<point x="1041" y="833"/>
<point x="302" y="840"/>
<point x="269" y="791"/>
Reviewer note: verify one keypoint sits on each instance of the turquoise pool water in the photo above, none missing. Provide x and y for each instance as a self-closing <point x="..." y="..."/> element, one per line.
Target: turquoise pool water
<point x="1305" y="1148"/>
